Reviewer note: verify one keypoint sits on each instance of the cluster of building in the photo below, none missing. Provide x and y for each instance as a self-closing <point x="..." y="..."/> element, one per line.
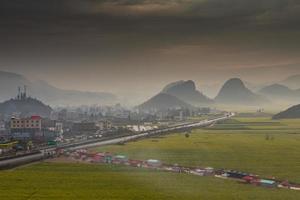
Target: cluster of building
<point x="91" y="113"/>
<point x="174" y="114"/>
<point x="23" y="133"/>
<point x="120" y="115"/>
<point x="29" y="133"/>
<point x="39" y="124"/>
<point x="31" y="121"/>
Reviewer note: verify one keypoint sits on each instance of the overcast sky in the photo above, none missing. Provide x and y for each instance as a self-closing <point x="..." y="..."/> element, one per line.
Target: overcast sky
<point x="139" y="45"/>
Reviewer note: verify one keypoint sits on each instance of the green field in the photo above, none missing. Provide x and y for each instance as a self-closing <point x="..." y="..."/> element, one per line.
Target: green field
<point x="257" y="145"/>
<point x="80" y="181"/>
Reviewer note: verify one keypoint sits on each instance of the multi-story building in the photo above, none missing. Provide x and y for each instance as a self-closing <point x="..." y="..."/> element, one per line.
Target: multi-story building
<point x="35" y="128"/>
<point x="26" y="125"/>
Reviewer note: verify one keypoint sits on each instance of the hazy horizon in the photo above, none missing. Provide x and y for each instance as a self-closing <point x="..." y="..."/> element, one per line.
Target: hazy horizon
<point x="209" y="88"/>
<point x="150" y="99"/>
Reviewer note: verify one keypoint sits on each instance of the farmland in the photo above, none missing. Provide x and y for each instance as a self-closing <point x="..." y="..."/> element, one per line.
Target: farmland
<point x="256" y="145"/>
<point x="81" y="181"/>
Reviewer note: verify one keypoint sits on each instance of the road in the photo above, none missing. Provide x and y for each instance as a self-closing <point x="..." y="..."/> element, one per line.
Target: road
<point x="13" y="162"/>
<point x="202" y="123"/>
<point x="44" y="153"/>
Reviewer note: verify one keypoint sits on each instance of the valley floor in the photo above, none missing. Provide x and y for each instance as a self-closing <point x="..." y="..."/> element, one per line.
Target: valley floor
<point x="257" y="145"/>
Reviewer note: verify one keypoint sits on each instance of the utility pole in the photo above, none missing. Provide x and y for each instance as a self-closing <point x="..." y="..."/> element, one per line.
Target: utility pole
<point x="19" y="93"/>
<point x="25" y="88"/>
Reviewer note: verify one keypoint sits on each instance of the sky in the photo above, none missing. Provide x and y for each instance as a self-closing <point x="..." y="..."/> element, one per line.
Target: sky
<point x="138" y="46"/>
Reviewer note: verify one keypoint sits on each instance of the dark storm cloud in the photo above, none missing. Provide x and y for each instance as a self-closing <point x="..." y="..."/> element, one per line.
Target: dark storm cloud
<point x="112" y="23"/>
<point x="140" y="38"/>
<point x="245" y="11"/>
<point x="15" y="8"/>
<point x="287" y="9"/>
<point x="210" y="8"/>
<point x="255" y="11"/>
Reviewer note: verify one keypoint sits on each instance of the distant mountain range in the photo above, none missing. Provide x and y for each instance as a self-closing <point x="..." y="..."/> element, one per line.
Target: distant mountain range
<point x="292" y="82"/>
<point x="161" y="102"/>
<point x="280" y="93"/>
<point x="187" y="92"/>
<point x="9" y="82"/>
<point x="185" y="95"/>
<point x="260" y="73"/>
<point x="291" y="113"/>
<point x="234" y="92"/>
<point x="177" y="94"/>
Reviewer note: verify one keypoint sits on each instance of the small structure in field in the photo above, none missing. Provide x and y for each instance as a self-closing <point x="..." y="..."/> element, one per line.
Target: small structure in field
<point x="135" y="163"/>
<point x="153" y="163"/>
<point x="120" y="159"/>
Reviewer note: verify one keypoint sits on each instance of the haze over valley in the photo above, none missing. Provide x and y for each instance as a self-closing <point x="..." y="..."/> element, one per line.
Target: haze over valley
<point x="234" y="91"/>
<point x="150" y="99"/>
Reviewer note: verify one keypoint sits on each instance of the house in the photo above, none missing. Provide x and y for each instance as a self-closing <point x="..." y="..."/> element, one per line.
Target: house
<point x="26" y="127"/>
<point x="26" y="124"/>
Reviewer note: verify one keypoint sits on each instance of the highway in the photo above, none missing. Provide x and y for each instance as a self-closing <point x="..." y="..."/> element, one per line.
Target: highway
<point x="13" y="162"/>
<point x="186" y="126"/>
<point x="45" y="153"/>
